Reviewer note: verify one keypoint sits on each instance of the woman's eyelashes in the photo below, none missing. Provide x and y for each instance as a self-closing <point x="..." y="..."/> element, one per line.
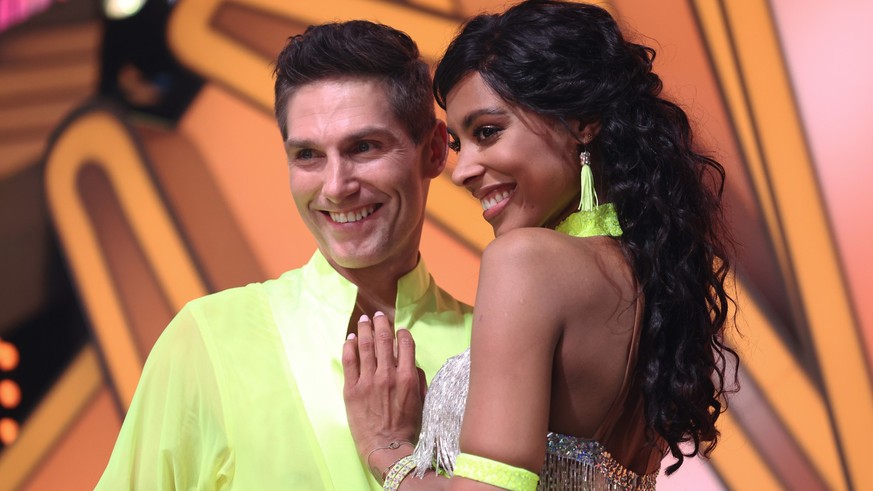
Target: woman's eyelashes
<point x="485" y="133"/>
<point x="482" y="134"/>
<point x="454" y="144"/>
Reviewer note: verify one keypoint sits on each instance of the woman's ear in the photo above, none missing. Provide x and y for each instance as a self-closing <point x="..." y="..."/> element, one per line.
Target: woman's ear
<point x="587" y="132"/>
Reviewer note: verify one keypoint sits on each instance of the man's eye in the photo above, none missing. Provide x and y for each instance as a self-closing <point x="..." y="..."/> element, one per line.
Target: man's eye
<point x="304" y="154"/>
<point x="362" y="147"/>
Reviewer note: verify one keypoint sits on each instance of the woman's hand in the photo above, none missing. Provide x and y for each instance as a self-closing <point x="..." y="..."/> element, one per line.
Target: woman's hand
<point x="383" y="392"/>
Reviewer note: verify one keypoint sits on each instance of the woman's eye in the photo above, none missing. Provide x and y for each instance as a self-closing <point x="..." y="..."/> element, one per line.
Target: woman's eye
<point x="454" y="145"/>
<point x="486" y="132"/>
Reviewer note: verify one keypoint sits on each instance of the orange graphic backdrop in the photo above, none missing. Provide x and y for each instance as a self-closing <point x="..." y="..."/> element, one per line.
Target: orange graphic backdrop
<point x="150" y="217"/>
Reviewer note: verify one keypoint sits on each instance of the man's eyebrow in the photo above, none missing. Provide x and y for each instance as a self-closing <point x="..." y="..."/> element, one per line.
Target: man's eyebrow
<point x="486" y="111"/>
<point x="369" y="131"/>
<point x="295" y="143"/>
<point x="362" y="133"/>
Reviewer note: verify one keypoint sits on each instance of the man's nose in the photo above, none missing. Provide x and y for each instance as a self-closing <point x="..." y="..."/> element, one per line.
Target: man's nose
<point x="340" y="180"/>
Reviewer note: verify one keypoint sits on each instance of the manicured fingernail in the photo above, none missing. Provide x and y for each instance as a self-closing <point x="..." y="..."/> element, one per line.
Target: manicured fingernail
<point x="402" y="329"/>
<point x="378" y="314"/>
<point x="364" y="318"/>
<point x="351" y="336"/>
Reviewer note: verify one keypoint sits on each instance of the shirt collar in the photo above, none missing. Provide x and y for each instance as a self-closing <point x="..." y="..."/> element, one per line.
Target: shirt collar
<point x="413" y="285"/>
<point x="332" y="288"/>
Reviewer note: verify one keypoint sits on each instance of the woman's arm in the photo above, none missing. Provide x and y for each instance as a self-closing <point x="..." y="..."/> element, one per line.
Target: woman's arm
<point x="517" y="323"/>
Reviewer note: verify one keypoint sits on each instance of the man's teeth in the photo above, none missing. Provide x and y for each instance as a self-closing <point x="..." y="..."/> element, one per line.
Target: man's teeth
<point x="494" y="199"/>
<point x="352" y="216"/>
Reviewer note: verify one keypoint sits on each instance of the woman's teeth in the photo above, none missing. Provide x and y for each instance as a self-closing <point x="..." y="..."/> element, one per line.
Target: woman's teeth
<point x="494" y="199"/>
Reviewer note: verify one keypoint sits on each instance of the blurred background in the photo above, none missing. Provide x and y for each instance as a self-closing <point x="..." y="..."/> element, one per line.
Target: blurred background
<point x="140" y="167"/>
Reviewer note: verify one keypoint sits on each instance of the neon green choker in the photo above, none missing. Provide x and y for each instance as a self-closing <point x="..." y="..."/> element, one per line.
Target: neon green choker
<point x="601" y="220"/>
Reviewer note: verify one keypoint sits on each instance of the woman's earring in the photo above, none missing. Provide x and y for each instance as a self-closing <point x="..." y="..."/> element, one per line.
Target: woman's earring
<point x="588" y="199"/>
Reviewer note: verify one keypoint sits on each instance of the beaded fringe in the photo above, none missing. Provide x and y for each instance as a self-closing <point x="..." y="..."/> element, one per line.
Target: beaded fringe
<point x="438" y="443"/>
<point x="576" y="464"/>
<point x="571" y="464"/>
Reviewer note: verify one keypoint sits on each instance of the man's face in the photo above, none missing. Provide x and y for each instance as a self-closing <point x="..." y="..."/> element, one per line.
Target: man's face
<point x="357" y="178"/>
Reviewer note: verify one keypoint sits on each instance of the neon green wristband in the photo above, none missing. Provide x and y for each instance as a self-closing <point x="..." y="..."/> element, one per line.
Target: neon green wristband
<point x="495" y="473"/>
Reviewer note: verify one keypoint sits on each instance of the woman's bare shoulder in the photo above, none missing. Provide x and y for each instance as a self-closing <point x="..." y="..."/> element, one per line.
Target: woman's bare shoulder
<point x="563" y="278"/>
<point x="578" y="266"/>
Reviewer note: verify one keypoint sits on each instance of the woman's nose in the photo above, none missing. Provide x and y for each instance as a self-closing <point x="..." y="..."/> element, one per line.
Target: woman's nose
<point x="467" y="169"/>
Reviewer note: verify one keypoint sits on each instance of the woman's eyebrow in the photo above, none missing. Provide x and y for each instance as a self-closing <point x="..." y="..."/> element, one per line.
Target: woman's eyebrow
<point x="485" y="111"/>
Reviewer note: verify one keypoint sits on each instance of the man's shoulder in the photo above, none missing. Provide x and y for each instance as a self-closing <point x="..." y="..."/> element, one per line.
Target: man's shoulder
<point x="243" y="296"/>
<point x="236" y="308"/>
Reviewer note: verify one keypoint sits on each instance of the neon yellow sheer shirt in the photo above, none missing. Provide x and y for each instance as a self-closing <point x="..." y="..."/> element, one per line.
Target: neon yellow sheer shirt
<point x="243" y="390"/>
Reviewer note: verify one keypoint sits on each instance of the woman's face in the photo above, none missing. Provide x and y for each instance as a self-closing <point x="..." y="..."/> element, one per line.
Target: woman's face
<point x="523" y="168"/>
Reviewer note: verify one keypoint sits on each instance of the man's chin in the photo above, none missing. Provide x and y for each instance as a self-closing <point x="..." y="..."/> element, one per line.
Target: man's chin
<point x="354" y="259"/>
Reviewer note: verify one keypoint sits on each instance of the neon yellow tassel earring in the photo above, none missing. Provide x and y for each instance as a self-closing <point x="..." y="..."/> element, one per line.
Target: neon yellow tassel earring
<point x="592" y="219"/>
<point x="588" y="199"/>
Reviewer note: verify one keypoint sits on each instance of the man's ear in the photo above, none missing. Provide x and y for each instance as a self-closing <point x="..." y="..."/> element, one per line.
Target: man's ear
<point x="437" y="150"/>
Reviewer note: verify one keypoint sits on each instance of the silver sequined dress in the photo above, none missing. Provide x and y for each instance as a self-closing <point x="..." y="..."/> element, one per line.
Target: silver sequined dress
<point x="571" y="463"/>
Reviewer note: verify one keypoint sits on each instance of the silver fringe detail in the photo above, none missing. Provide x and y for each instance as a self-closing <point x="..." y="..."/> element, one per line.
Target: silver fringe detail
<point x="578" y="464"/>
<point x="571" y="464"/>
<point x="438" y="444"/>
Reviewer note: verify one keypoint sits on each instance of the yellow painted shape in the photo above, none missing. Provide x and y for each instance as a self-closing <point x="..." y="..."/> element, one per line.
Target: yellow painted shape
<point x="792" y="395"/>
<point x="216" y="56"/>
<point x="242" y="149"/>
<point x="787" y="188"/>
<point x="820" y="283"/>
<point x="445" y="7"/>
<point x="738" y="462"/>
<point x="98" y="138"/>
<point x="55" y="412"/>
<point x="721" y="52"/>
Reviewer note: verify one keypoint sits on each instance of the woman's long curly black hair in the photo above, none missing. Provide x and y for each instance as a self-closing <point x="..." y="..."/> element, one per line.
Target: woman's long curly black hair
<point x="570" y="61"/>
